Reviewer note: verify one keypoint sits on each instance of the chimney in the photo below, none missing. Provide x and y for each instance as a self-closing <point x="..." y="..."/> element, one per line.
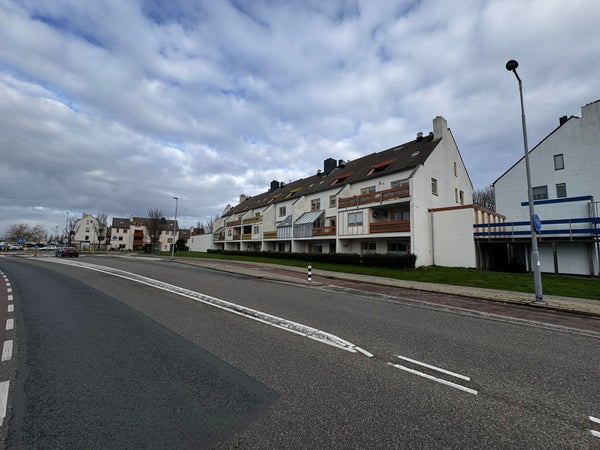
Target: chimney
<point x="341" y="163"/>
<point x="440" y="126"/>
<point x="419" y="136"/>
<point x="328" y="165"/>
<point x="274" y="185"/>
<point x="563" y="120"/>
<point x="243" y="198"/>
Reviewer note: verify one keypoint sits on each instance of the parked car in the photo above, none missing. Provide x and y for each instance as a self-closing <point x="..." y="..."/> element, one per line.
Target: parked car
<point x="15" y="247"/>
<point x="63" y="252"/>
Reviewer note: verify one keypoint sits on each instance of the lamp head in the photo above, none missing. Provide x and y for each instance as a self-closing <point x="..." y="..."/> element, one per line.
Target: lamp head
<point x="512" y="65"/>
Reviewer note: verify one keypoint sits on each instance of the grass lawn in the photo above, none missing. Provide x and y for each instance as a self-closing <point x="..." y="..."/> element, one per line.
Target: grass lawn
<point x="562" y="285"/>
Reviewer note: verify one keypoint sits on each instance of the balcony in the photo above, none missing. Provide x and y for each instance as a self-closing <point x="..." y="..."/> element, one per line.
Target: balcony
<point x="246" y="236"/>
<point x="254" y="219"/>
<point x="236" y="237"/>
<point x="234" y="223"/>
<point x="395" y="226"/>
<point x="374" y="197"/>
<point x="269" y="234"/>
<point x="324" y="231"/>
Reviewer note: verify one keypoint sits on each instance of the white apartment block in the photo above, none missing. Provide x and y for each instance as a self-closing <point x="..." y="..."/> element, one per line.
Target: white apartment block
<point x="406" y="199"/>
<point x="132" y="234"/>
<point x="565" y="168"/>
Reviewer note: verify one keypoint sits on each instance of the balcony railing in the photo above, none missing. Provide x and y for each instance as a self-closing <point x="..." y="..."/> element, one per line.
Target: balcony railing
<point x="324" y="231"/>
<point x="252" y="220"/>
<point x="236" y="237"/>
<point x="269" y="234"/>
<point x="247" y="236"/>
<point x="374" y="197"/>
<point x="575" y="228"/>
<point x="395" y="226"/>
<point x="234" y="223"/>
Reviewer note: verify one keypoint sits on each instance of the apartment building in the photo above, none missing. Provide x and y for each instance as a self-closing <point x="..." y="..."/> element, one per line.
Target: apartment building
<point x="566" y="192"/>
<point x="406" y="199"/>
<point x="132" y="233"/>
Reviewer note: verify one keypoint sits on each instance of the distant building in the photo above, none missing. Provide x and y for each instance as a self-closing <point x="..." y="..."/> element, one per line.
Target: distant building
<point x="565" y="168"/>
<point x="132" y="233"/>
<point x="88" y="231"/>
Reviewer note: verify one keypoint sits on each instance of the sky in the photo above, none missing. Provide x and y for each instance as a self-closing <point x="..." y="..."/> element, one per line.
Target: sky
<point x="119" y="106"/>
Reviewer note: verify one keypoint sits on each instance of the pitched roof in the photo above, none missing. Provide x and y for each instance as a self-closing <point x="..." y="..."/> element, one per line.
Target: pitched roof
<point x="395" y="159"/>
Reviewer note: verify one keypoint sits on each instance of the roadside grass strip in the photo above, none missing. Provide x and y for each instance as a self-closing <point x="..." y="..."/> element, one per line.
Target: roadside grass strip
<point x="275" y="321"/>
<point x="596" y="422"/>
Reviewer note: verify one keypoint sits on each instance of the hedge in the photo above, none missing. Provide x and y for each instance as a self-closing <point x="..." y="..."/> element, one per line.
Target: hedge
<point x="376" y="260"/>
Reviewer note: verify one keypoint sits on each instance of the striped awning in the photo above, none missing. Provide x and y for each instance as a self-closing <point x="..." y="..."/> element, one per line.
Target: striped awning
<point x="309" y="217"/>
<point x="287" y="222"/>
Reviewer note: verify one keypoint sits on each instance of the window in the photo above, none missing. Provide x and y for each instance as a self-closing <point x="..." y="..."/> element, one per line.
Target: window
<point x="561" y="190"/>
<point x="380" y="167"/>
<point x="256" y="229"/>
<point x="401" y="215"/>
<point x="434" y="186"/>
<point x="368" y="247"/>
<point x="228" y="232"/>
<point x="87" y="229"/>
<point x="87" y="238"/>
<point x="332" y="201"/>
<point x="367" y="190"/>
<point x="559" y="162"/>
<point x="281" y="211"/>
<point x="461" y="197"/>
<point x="455" y="172"/>
<point x="540" y="192"/>
<point x="315" y="204"/>
<point x="355" y="219"/>
<point x="456" y="195"/>
<point x="397" y="247"/>
<point x="340" y="179"/>
<point x="399" y="183"/>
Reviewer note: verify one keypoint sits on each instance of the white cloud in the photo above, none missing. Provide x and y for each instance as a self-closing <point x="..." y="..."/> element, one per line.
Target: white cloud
<point x="141" y="101"/>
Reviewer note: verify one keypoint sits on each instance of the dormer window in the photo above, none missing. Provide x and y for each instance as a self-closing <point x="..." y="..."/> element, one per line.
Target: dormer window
<point x="292" y="192"/>
<point x="340" y="179"/>
<point x="380" y="167"/>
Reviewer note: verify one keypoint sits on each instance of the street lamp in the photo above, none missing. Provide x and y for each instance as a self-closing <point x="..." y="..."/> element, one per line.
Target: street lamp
<point x="67" y="224"/>
<point x="174" y="222"/>
<point x="511" y="66"/>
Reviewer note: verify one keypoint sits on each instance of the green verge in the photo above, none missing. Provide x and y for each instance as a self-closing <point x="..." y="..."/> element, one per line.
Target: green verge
<point x="561" y="285"/>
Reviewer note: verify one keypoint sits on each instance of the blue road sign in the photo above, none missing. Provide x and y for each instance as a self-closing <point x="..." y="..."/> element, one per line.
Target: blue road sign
<point x="20" y="241"/>
<point x="537" y="223"/>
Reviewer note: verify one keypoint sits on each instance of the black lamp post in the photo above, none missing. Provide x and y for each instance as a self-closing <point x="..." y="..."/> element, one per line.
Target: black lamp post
<point x="511" y="66"/>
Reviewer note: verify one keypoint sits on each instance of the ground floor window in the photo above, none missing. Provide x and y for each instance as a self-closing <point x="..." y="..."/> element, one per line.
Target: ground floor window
<point x="368" y="247"/>
<point x="401" y="247"/>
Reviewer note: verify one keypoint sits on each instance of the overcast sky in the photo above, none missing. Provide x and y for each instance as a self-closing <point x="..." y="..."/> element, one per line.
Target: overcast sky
<point x="118" y="106"/>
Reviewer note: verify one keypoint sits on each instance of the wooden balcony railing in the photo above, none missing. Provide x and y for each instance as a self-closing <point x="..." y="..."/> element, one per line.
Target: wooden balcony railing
<point x="236" y="237"/>
<point x="324" y="231"/>
<point x="269" y="234"/>
<point x="246" y="236"/>
<point x="252" y="220"/>
<point x="389" y="227"/>
<point x="373" y="197"/>
<point x="234" y="223"/>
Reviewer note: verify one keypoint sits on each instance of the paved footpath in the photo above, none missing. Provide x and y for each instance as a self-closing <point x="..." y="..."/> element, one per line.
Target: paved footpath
<point x="324" y="277"/>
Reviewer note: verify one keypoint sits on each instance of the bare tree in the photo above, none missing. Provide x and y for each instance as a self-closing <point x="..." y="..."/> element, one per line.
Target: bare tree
<point x="485" y="198"/>
<point x="70" y="231"/>
<point x="21" y="230"/>
<point x="100" y="227"/>
<point x="154" y="225"/>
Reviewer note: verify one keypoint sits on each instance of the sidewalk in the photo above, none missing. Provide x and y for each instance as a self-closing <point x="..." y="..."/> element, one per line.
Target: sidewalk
<point x="319" y="277"/>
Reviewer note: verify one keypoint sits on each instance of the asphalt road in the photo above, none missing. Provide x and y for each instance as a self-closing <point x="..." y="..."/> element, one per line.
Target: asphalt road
<point x="110" y="360"/>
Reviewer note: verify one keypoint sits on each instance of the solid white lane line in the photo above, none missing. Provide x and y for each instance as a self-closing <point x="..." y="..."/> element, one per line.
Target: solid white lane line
<point x="438" y="380"/>
<point x="3" y="400"/>
<point x="11" y="308"/>
<point x="364" y="352"/>
<point x="438" y="369"/>
<point x="7" y="350"/>
<point x="259" y="316"/>
<point x="10" y="324"/>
